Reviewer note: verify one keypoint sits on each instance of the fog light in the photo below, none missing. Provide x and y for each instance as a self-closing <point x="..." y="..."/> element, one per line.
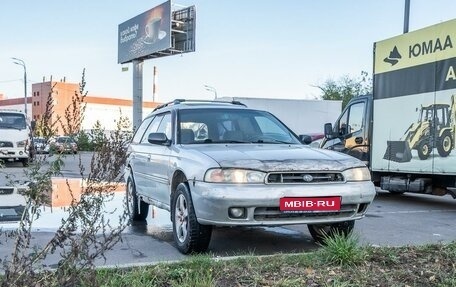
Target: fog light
<point x="237" y="212"/>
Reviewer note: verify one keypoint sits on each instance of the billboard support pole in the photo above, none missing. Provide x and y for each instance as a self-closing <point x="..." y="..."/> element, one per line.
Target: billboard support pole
<point x="406" y="16"/>
<point x="137" y="93"/>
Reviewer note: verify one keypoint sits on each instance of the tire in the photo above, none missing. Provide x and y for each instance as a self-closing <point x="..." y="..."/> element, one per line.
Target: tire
<point x="188" y="234"/>
<point x="137" y="212"/>
<point x="25" y="162"/>
<point x="424" y="150"/>
<point x="445" y="144"/>
<point x="320" y="231"/>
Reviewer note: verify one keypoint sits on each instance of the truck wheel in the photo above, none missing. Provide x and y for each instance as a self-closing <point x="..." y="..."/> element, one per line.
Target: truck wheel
<point x="320" y="231"/>
<point x="424" y="150"/>
<point x="444" y="144"/>
<point x="137" y="212"/>
<point x="189" y="235"/>
<point x="25" y="162"/>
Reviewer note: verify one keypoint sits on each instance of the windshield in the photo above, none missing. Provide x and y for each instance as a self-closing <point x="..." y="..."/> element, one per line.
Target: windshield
<point x="65" y="140"/>
<point x="232" y="126"/>
<point x="12" y="121"/>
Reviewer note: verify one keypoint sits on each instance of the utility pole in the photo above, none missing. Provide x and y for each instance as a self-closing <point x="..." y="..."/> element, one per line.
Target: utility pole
<point x="211" y="89"/>
<point x="154" y="88"/>
<point x="22" y="63"/>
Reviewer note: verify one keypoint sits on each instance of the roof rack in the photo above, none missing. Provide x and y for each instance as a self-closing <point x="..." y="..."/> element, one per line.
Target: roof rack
<point x="175" y="102"/>
<point x="180" y="101"/>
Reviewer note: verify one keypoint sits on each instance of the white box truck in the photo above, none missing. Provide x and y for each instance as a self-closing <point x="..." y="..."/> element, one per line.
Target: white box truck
<point x="15" y="137"/>
<point x="405" y="131"/>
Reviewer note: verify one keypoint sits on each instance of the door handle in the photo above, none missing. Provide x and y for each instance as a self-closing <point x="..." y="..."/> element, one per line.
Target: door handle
<point x="358" y="140"/>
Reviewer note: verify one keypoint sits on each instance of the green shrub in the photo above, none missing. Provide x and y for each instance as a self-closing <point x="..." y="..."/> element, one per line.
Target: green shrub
<point x="342" y="249"/>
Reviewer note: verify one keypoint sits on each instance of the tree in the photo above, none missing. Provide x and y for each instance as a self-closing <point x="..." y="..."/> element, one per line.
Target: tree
<point x="86" y="232"/>
<point x="345" y="88"/>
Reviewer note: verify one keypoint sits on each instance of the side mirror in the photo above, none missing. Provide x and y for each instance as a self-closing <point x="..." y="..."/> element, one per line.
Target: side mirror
<point x="305" y="139"/>
<point x="158" y="138"/>
<point x="33" y="125"/>
<point x="328" y="130"/>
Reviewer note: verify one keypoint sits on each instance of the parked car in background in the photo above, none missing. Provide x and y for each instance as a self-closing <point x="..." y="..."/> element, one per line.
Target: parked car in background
<point x="223" y="164"/>
<point x="64" y="144"/>
<point x="316" y="138"/>
<point x="41" y="145"/>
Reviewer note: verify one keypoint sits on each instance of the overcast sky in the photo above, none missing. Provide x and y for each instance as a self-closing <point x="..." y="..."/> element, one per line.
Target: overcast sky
<point x="244" y="48"/>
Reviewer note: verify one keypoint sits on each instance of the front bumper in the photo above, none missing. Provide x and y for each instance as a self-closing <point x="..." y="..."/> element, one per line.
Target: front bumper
<point x="13" y="153"/>
<point x="262" y="202"/>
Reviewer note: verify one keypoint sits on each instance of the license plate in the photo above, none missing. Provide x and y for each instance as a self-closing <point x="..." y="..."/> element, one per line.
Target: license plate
<point x="310" y="204"/>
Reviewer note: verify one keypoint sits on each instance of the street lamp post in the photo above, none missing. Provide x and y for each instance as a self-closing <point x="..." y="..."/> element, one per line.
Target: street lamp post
<point x="22" y="63"/>
<point x="211" y="89"/>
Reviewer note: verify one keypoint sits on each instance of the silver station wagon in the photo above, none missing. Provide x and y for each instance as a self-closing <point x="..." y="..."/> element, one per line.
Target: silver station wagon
<point x="223" y="164"/>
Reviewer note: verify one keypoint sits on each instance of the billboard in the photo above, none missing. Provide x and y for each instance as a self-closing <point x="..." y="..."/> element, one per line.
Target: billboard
<point x="145" y="34"/>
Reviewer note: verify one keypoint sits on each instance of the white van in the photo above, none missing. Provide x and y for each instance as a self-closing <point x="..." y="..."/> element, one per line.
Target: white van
<point x="15" y="137"/>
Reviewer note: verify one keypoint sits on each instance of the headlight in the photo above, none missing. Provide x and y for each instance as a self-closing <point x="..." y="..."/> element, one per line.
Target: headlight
<point x="357" y="174"/>
<point x="234" y="176"/>
<point x="22" y="143"/>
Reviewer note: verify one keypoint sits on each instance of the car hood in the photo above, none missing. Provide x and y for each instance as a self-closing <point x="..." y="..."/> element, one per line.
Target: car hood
<point x="277" y="157"/>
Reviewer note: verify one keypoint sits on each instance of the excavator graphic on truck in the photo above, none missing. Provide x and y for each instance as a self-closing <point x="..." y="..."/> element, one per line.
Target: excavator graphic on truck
<point x="435" y="128"/>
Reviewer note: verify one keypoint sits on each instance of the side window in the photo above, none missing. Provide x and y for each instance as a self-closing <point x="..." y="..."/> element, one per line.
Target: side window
<point x="152" y="128"/>
<point x="165" y="126"/>
<point x="140" y="131"/>
<point x="343" y="123"/>
<point x="352" y="120"/>
<point x="355" y="118"/>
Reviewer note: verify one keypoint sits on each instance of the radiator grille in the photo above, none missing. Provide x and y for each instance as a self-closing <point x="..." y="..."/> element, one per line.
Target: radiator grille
<point x="5" y="144"/>
<point x="304" y="177"/>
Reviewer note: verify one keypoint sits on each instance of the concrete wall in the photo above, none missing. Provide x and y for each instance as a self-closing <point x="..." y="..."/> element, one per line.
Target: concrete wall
<point x="302" y="116"/>
<point x="108" y="115"/>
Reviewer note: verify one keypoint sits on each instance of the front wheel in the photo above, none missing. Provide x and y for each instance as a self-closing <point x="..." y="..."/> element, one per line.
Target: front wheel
<point x="424" y="150"/>
<point x="189" y="235"/>
<point x="137" y="210"/>
<point x="321" y="231"/>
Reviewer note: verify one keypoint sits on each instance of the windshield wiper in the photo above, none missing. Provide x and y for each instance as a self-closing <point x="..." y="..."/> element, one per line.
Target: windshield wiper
<point x="232" y="141"/>
<point x="272" y="141"/>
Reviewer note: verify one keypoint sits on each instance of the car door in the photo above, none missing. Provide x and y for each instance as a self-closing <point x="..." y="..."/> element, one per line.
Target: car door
<point x="140" y="155"/>
<point x="352" y="137"/>
<point x="158" y="164"/>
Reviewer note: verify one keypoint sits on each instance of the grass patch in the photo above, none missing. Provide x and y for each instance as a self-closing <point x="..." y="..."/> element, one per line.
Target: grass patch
<point x="341" y="263"/>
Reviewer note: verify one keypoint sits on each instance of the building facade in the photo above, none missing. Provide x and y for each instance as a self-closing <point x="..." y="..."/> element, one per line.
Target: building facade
<point x="58" y="96"/>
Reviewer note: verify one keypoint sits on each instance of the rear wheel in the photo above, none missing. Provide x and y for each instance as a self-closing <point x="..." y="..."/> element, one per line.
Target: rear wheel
<point x="444" y="144"/>
<point x="320" y="231"/>
<point x="137" y="209"/>
<point x="189" y="235"/>
<point x="424" y="150"/>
